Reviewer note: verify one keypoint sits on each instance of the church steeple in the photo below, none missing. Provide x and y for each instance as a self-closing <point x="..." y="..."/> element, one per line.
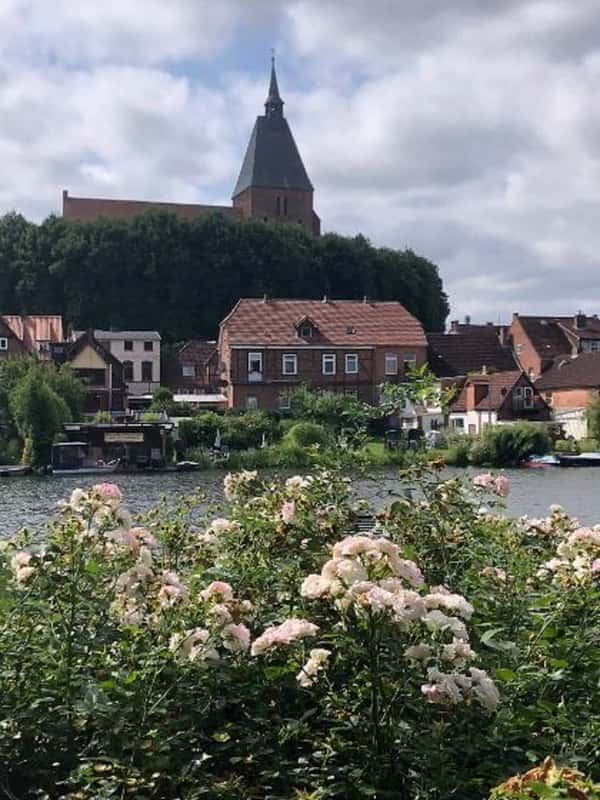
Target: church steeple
<point x="273" y="103"/>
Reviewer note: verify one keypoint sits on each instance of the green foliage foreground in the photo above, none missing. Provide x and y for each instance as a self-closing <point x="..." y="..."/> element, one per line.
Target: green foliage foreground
<point x="273" y="654"/>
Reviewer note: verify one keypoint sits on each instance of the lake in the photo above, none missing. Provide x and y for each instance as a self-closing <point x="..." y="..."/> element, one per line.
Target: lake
<point x="30" y="501"/>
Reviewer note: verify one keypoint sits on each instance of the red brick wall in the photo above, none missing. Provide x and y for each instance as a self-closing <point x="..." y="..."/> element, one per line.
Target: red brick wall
<point x="89" y="208"/>
<point x="261" y="203"/>
<point x="571" y="398"/>
<point x="525" y="352"/>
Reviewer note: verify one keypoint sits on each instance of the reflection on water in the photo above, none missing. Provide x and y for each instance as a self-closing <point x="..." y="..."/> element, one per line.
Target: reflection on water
<point x="30" y="501"/>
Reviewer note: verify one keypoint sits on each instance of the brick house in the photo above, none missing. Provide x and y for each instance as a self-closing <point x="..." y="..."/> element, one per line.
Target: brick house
<point x="266" y="347"/>
<point x="539" y="341"/>
<point x="191" y="367"/>
<point x="489" y="399"/>
<point x="568" y="387"/>
<point x="35" y="332"/>
<point x="457" y="354"/>
<point x="10" y="344"/>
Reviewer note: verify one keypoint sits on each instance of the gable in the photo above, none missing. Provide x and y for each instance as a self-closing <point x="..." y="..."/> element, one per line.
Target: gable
<point x="88" y="358"/>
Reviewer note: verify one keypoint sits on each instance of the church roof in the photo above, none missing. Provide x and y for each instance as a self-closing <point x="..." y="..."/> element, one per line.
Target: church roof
<point x="272" y="159"/>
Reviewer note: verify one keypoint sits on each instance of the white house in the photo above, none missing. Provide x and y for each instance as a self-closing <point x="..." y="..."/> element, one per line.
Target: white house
<point x="139" y="352"/>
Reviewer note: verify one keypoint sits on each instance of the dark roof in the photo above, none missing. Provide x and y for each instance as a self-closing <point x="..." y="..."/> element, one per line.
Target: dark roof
<point x="338" y="323"/>
<point x="196" y="351"/>
<point x="581" y="371"/>
<point x="546" y="336"/>
<point x="455" y="354"/>
<point x="498" y="385"/>
<point x="272" y="159"/>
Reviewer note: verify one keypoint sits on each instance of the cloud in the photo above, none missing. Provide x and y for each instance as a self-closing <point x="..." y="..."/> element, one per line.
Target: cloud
<point x="469" y="131"/>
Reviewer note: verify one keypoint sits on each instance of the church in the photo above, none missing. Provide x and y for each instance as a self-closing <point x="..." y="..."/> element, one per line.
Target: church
<point x="272" y="185"/>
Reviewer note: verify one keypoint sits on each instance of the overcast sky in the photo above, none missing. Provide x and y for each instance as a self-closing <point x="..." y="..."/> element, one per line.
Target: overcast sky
<point x="468" y="130"/>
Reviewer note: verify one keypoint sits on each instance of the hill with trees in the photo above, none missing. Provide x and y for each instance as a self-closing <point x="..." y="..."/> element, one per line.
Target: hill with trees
<point x="183" y="276"/>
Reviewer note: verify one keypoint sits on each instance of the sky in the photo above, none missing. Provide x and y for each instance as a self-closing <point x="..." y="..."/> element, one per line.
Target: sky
<point x="468" y="131"/>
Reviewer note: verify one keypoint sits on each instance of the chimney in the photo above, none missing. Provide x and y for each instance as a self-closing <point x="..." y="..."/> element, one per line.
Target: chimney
<point x="265" y="298"/>
<point x="325" y="299"/>
<point x="580" y="321"/>
<point x="454" y="326"/>
<point x="467" y="319"/>
<point x="365" y="300"/>
<point x="484" y="370"/>
<point x="476" y="392"/>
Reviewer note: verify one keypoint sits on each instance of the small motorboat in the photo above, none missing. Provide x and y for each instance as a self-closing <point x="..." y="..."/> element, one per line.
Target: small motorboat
<point x="10" y="470"/>
<point x="541" y="462"/>
<point x="582" y="460"/>
<point x="187" y="466"/>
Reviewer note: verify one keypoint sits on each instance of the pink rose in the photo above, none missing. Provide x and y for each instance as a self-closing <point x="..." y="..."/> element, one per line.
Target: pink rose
<point x="595" y="568"/>
<point x="288" y="511"/>
<point x="108" y="491"/>
<point x="502" y="486"/>
<point x="483" y="481"/>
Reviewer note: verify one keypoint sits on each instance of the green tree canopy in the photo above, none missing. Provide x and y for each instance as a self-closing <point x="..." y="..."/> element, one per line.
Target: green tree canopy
<point x="190" y="273"/>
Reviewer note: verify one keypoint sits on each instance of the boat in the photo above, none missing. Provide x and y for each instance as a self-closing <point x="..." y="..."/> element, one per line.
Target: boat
<point x="10" y="470"/>
<point x="582" y="460"/>
<point x="70" y="458"/>
<point x="187" y="466"/>
<point x="541" y="462"/>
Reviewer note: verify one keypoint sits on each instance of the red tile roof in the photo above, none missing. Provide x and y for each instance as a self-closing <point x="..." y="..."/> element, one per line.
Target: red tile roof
<point x="339" y="323"/>
<point x="35" y="328"/>
<point x="498" y="385"/>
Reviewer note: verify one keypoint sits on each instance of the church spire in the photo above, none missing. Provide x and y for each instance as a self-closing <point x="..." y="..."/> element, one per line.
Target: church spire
<point x="273" y="103"/>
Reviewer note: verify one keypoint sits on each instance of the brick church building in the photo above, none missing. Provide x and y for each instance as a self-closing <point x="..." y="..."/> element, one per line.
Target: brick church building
<point x="273" y="183"/>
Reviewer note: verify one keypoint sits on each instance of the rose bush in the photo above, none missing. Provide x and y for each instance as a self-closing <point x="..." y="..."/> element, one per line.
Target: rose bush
<point x="265" y="649"/>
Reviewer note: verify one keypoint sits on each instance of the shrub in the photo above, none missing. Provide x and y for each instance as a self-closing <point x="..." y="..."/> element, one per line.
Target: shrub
<point x="102" y="418"/>
<point x="508" y="445"/>
<point x="588" y="445"/>
<point x="306" y="434"/>
<point x="565" y="446"/>
<point x="458" y="450"/>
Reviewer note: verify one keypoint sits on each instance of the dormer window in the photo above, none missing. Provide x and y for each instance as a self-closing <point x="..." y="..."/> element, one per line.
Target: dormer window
<point x="305" y="328"/>
<point x="306" y="331"/>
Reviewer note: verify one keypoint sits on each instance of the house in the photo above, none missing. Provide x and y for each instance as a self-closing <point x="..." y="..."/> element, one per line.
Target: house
<point x="458" y="354"/>
<point x="138" y="352"/>
<point x="102" y="372"/>
<point x="569" y="386"/>
<point x="267" y="347"/>
<point x="36" y="332"/>
<point x="272" y="184"/>
<point x="137" y="445"/>
<point x="488" y="399"/>
<point x="190" y="368"/>
<point x="539" y="341"/>
<point x="10" y="344"/>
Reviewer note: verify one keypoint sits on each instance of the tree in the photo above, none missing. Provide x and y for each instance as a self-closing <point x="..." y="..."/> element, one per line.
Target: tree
<point x="593" y="418"/>
<point x="39" y="413"/>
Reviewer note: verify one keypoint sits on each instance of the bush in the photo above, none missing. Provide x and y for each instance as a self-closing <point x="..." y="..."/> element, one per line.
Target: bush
<point x="565" y="446"/>
<point x="306" y="434"/>
<point x="458" y="450"/>
<point x="588" y="445"/>
<point x="509" y="445"/>
<point x="102" y="418"/>
<point x="239" y="430"/>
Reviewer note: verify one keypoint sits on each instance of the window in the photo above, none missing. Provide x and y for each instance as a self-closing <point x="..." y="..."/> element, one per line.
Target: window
<point x="127" y="370"/>
<point x="285" y="402"/>
<point x="188" y="370"/>
<point x="255" y="361"/>
<point x="458" y="423"/>
<point x="251" y="403"/>
<point x="548" y="398"/>
<point x="43" y="347"/>
<point x="127" y="344"/>
<point x="519" y="349"/>
<point x="409" y="361"/>
<point x="148" y="347"/>
<point x="3" y="344"/>
<point x="306" y="331"/>
<point x="146" y="370"/>
<point x="289" y="364"/>
<point x="328" y="364"/>
<point x="518" y="392"/>
<point x="590" y="345"/>
<point x="391" y="364"/>
<point x="351" y="363"/>
<point x="527" y="397"/>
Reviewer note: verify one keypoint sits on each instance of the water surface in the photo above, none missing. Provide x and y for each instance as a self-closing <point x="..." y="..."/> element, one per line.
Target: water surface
<point x="30" y="501"/>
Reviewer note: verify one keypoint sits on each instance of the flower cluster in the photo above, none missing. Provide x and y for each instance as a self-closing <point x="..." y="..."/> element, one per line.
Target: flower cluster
<point x="218" y="528"/>
<point x="367" y="577"/>
<point x="317" y="662"/>
<point x="557" y="524"/>
<point x="577" y="558"/>
<point x="21" y="565"/>
<point x="499" y="484"/>
<point x="286" y="633"/>
<point x="239" y="485"/>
